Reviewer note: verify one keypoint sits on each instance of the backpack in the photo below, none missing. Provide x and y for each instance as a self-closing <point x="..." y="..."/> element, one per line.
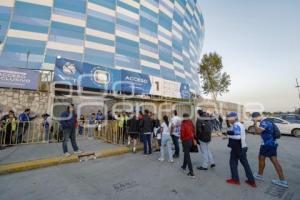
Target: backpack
<point x="206" y="130"/>
<point x="276" y="131"/>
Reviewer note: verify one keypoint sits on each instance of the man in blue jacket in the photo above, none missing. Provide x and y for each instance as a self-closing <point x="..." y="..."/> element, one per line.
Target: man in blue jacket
<point x="24" y="119"/>
<point x="68" y="123"/>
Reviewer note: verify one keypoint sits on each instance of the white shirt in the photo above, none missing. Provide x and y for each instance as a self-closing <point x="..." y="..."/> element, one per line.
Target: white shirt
<point x="166" y="129"/>
<point x="176" y="122"/>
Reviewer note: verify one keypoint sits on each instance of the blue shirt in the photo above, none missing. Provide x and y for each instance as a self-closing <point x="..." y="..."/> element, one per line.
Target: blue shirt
<point x="68" y="120"/>
<point x="267" y="135"/>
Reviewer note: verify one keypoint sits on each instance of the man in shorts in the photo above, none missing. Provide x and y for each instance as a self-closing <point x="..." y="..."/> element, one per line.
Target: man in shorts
<point x="268" y="149"/>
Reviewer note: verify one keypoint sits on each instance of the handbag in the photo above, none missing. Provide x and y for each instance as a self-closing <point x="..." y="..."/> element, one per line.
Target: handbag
<point x="194" y="148"/>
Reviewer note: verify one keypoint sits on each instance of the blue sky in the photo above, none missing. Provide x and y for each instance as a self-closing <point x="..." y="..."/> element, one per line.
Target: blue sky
<point x="259" y="41"/>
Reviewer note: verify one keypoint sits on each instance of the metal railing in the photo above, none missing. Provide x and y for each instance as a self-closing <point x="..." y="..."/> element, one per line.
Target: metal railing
<point x="32" y="132"/>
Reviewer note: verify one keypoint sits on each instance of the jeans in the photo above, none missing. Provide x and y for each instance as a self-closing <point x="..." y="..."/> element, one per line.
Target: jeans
<point x="69" y="133"/>
<point x="80" y="131"/>
<point x="22" y="130"/>
<point x="147" y="143"/>
<point x="207" y="155"/>
<point x="166" y="141"/>
<point x="46" y="134"/>
<point x="187" y="145"/>
<point x="235" y="157"/>
<point x="176" y="144"/>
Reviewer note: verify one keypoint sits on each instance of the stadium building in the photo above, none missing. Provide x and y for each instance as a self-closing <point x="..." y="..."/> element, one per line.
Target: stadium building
<point x="151" y="47"/>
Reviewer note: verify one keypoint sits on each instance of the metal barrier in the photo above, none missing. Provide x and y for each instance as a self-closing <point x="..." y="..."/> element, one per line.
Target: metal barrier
<point x="15" y="133"/>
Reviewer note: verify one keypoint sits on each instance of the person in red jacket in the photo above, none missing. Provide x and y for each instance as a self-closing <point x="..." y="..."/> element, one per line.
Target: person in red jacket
<point x="187" y="135"/>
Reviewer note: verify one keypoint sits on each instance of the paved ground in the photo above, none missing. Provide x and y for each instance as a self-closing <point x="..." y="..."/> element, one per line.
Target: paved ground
<point x="41" y="151"/>
<point x="137" y="177"/>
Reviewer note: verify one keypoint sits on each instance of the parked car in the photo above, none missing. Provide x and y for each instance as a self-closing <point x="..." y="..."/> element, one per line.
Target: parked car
<point x="284" y="126"/>
<point x="292" y="118"/>
<point x="249" y="126"/>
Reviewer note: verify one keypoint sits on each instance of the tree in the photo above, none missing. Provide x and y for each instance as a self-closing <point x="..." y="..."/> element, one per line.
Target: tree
<point x="215" y="82"/>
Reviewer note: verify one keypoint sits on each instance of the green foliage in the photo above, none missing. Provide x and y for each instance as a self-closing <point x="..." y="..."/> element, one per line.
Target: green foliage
<point x="214" y="81"/>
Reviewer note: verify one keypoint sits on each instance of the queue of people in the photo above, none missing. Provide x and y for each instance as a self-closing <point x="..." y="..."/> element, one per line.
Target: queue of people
<point x="145" y="126"/>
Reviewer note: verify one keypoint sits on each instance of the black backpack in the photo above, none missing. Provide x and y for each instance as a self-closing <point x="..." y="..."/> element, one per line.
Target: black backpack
<point x="276" y="131"/>
<point x="206" y="131"/>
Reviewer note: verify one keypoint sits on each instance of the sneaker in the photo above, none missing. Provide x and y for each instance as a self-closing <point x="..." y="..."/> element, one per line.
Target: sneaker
<point x="251" y="183"/>
<point x="233" y="182"/>
<point x="175" y="156"/>
<point x="134" y="150"/>
<point x="212" y="165"/>
<point x="182" y="168"/>
<point x="281" y="183"/>
<point x="202" y="168"/>
<point x="192" y="175"/>
<point x="258" y="177"/>
<point x="67" y="154"/>
<point x="171" y="161"/>
<point x="161" y="159"/>
<point x="78" y="152"/>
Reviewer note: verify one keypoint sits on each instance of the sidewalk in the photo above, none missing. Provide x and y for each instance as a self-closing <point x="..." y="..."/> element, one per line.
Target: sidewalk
<point x="27" y="157"/>
<point x="30" y="152"/>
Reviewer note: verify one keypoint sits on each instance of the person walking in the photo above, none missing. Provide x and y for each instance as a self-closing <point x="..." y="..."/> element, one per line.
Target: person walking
<point x="187" y="135"/>
<point x="204" y="131"/>
<point x="175" y="127"/>
<point x="68" y="124"/>
<point x="166" y="140"/>
<point x="10" y="126"/>
<point x="268" y="149"/>
<point x="237" y="143"/>
<point x="147" y="127"/>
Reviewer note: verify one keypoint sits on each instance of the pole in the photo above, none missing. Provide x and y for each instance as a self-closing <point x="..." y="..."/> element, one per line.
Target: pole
<point x="298" y="87"/>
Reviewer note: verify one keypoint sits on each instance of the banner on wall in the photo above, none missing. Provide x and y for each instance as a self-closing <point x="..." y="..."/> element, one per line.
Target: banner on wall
<point x="19" y="78"/>
<point x="97" y="77"/>
<point x="135" y="83"/>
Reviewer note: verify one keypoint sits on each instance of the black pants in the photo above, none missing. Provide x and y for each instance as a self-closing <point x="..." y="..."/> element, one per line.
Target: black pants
<point x="176" y="144"/>
<point x="241" y="156"/>
<point x="186" y="146"/>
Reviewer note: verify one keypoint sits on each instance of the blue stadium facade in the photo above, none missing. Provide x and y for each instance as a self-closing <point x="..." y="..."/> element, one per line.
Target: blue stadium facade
<point x="160" y="38"/>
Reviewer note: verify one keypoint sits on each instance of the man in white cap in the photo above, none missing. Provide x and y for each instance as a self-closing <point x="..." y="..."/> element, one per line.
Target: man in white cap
<point x="237" y="143"/>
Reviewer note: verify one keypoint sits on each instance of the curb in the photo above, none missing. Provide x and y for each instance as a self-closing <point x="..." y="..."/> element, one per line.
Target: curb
<point x="60" y="160"/>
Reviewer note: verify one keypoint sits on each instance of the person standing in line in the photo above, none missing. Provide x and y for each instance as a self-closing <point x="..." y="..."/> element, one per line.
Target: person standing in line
<point x="187" y="135"/>
<point x="92" y="125"/>
<point x="24" y="120"/>
<point x="267" y="130"/>
<point x="68" y="123"/>
<point x="237" y="143"/>
<point x="133" y="131"/>
<point x="141" y="118"/>
<point x="220" y="122"/>
<point x="9" y="128"/>
<point x="166" y="140"/>
<point x="175" y="127"/>
<point x="204" y="131"/>
<point x="157" y="132"/>
<point x="81" y="124"/>
<point x="147" y="128"/>
<point x="47" y="123"/>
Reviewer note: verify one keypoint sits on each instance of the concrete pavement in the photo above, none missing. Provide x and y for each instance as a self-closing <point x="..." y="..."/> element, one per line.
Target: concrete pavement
<point x="137" y="177"/>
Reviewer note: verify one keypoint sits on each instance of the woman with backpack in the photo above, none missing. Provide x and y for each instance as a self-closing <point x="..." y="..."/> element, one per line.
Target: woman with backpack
<point x="166" y="140"/>
<point x="187" y="135"/>
<point x="203" y="129"/>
